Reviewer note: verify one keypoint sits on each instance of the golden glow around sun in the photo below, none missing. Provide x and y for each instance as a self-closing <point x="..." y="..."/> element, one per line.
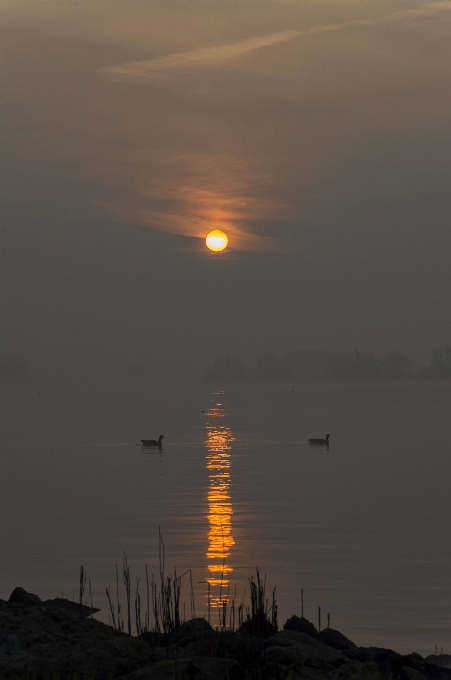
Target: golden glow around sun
<point x="216" y="240"/>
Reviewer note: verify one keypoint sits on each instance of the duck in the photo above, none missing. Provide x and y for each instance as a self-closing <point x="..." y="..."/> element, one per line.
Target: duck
<point x="152" y="442"/>
<point x="320" y="441"/>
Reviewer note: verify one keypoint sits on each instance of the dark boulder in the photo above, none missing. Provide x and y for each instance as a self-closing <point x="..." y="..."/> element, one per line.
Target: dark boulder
<point x="194" y="638"/>
<point x="408" y="673"/>
<point x="375" y="655"/>
<point x="20" y="596"/>
<point x="64" y="644"/>
<point x="155" y="639"/>
<point x="306" y="647"/>
<point x="318" y="665"/>
<point x="198" y="668"/>
<point x="63" y="603"/>
<point x="258" y="626"/>
<point x="335" y="639"/>
<point x="301" y="625"/>
<point x="433" y="672"/>
<point x="441" y="660"/>
<point x="191" y="630"/>
<point x="285" y="656"/>
<point x="275" y="671"/>
<point x="246" y="649"/>
<point x="352" y="670"/>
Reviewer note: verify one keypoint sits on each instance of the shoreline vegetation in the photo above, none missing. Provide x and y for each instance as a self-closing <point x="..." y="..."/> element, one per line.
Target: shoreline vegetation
<point x="150" y="638"/>
<point x="322" y="366"/>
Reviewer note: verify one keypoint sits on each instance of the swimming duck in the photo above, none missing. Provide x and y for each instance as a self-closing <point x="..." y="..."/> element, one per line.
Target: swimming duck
<point x="152" y="442"/>
<point x="320" y="441"/>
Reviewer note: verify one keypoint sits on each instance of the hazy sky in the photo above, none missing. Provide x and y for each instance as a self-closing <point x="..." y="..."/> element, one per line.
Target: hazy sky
<point x="317" y="134"/>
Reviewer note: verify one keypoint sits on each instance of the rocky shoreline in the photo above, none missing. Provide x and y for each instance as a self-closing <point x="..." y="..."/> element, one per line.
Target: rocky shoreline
<point x="56" y="639"/>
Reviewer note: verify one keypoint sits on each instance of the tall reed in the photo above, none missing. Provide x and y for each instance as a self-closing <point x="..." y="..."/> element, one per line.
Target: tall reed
<point x="162" y="597"/>
<point x="82" y="585"/>
<point x="260" y="617"/>
<point x="127" y="583"/>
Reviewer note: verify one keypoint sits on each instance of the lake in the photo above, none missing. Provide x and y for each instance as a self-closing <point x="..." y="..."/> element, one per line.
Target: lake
<point x="363" y="528"/>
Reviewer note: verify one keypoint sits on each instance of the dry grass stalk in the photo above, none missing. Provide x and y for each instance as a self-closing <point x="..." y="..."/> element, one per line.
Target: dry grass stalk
<point x="82" y="585"/>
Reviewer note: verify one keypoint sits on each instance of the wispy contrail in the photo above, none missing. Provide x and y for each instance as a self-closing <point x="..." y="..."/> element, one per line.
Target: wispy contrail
<point x="209" y="57"/>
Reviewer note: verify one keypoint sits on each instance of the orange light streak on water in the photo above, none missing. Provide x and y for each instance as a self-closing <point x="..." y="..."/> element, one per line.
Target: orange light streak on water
<point x="220" y="511"/>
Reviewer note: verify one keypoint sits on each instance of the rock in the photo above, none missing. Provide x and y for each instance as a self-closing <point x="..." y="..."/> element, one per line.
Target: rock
<point x="63" y="603"/>
<point x="442" y="660"/>
<point x="309" y="673"/>
<point x="200" y="668"/>
<point x="20" y="596"/>
<point x="352" y="670"/>
<point x="218" y="669"/>
<point x="63" y="643"/>
<point x="333" y="638"/>
<point x="166" y="670"/>
<point x="207" y="643"/>
<point x="246" y="649"/>
<point x="194" y="629"/>
<point x="193" y="638"/>
<point x="302" y="625"/>
<point x="275" y="671"/>
<point x="258" y="626"/>
<point x="156" y="639"/>
<point x="433" y="672"/>
<point x="284" y="656"/>
<point x="408" y="673"/>
<point x="318" y="664"/>
<point x="307" y="647"/>
<point x="203" y="646"/>
<point x="375" y="655"/>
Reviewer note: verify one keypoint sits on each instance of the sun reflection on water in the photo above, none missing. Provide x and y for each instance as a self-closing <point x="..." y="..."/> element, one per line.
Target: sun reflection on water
<point x="220" y="511"/>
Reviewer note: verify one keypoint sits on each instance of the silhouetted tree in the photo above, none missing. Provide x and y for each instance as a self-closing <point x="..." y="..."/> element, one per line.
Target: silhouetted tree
<point x="395" y="366"/>
<point x="272" y="367"/>
<point x="439" y="367"/>
<point x="227" y="368"/>
<point x="358" y="366"/>
<point x="313" y="364"/>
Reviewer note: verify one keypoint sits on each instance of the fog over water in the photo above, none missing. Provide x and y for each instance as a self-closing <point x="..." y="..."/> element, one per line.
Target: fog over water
<point x="363" y="527"/>
<point x="316" y="135"/>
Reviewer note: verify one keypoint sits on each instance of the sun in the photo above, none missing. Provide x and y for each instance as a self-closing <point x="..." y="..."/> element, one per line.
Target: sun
<point x="216" y="240"/>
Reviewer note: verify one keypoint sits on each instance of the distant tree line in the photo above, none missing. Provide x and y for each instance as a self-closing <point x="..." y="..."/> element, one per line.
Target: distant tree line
<point x="317" y="365"/>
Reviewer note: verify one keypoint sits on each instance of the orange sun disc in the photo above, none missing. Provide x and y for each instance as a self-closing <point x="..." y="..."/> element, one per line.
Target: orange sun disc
<point x="216" y="240"/>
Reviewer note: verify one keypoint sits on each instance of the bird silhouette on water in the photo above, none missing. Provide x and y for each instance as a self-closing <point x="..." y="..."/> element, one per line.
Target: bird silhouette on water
<point x="153" y="442"/>
<point x="320" y="441"/>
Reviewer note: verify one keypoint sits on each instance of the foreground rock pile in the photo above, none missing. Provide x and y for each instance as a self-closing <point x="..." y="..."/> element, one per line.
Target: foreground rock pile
<point x="56" y="637"/>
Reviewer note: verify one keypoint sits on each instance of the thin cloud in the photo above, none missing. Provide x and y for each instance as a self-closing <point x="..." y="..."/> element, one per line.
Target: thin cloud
<point x="195" y="193"/>
<point x="207" y="57"/>
<point x="211" y="57"/>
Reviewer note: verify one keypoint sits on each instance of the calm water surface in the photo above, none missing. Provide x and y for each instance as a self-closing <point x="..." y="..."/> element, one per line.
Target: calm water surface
<point x="363" y="528"/>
